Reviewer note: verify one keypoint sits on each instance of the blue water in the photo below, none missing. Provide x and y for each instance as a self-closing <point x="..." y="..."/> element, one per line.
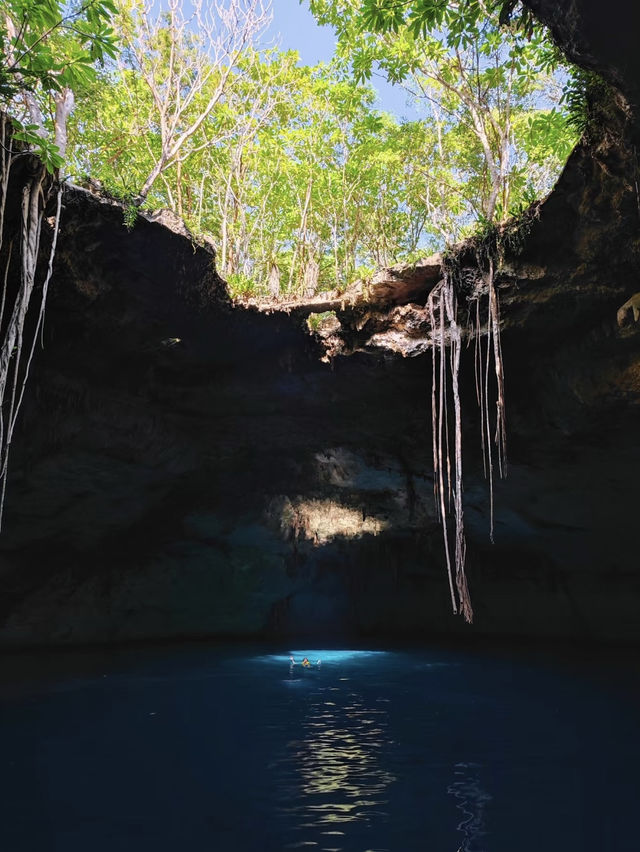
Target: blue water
<point x="229" y="749"/>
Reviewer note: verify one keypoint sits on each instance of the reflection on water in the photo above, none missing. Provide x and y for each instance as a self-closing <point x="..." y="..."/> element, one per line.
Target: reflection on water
<point x="471" y="800"/>
<point x="206" y="748"/>
<point x="332" y="765"/>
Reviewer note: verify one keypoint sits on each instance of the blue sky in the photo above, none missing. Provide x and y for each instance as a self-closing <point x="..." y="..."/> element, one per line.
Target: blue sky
<point x="299" y="31"/>
<point x="295" y="28"/>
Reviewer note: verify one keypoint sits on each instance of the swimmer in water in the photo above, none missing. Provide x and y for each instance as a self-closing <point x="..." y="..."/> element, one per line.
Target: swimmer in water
<point x="305" y="662"/>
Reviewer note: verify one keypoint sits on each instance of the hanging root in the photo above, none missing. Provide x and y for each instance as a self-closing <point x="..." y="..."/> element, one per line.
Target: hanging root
<point x="501" y="424"/>
<point x="494" y="348"/>
<point x="13" y="373"/>
<point x="437" y="320"/>
<point x="446" y="335"/>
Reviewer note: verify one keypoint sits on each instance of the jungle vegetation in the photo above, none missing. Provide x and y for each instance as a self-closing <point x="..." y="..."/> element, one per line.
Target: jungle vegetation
<point x="301" y="182"/>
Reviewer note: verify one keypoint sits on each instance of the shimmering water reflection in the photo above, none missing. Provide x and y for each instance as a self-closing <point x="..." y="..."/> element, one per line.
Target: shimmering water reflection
<point x="218" y="749"/>
<point x="331" y="772"/>
<point x="472" y="800"/>
<point x="334" y="770"/>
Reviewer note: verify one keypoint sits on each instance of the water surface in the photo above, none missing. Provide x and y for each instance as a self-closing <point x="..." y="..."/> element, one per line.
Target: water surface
<point x="230" y="749"/>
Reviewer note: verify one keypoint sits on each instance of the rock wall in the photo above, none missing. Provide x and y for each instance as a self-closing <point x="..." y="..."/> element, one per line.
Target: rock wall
<point x="186" y="467"/>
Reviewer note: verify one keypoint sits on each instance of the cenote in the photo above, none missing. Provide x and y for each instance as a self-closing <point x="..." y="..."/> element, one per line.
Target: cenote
<point x="217" y="747"/>
<point x="277" y="361"/>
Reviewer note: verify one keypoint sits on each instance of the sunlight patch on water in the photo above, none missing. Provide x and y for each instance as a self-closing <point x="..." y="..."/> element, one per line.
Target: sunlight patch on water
<point x="399" y="750"/>
<point x="332" y="656"/>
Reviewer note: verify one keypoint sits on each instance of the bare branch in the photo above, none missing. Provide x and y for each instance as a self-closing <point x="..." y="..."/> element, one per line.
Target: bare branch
<point x="187" y="57"/>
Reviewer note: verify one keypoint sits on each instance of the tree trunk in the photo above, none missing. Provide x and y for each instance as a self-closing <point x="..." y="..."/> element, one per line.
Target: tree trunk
<point x="64" y="101"/>
<point x="310" y="279"/>
<point x="274" y="280"/>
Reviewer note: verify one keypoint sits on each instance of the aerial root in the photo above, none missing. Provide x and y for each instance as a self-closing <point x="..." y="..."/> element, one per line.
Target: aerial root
<point x="446" y="335"/>
<point x="15" y="310"/>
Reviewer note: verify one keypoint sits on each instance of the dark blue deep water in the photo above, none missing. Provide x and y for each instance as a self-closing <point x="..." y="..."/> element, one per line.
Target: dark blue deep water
<point x="226" y="749"/>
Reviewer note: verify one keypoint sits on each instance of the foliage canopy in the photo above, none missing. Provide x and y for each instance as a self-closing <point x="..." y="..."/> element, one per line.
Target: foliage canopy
<point x="50" y="48"/>
<point x="300" y="180"/>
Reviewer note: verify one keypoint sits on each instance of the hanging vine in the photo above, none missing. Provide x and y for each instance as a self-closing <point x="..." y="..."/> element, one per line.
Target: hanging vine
<point x="20" y="326"/>
<point x="447" y="335"/>
<point x="446" y="339"/>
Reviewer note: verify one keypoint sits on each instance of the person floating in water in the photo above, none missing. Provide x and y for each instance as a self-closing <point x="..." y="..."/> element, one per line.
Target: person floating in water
<point x="305" y="662"/>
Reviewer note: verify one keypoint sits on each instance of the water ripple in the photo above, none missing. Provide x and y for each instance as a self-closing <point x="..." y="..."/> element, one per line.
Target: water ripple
<point x="332" y="775"/>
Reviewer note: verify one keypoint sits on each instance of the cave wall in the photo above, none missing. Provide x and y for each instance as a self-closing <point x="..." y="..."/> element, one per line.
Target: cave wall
<point x="596" y="36"/>
<point x="187" y="467"/>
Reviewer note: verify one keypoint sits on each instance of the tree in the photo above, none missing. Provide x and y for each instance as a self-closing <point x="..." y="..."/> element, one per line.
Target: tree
<point x="477" y="81"/>
<point x="186" y="59"/>
<point x="293" y="172"/>
<point x="299" y="180"/>
<point x="49" y="48"/>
